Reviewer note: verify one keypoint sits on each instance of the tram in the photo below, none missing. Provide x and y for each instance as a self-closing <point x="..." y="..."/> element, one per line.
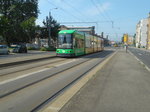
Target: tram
<point x="71" y="43"/>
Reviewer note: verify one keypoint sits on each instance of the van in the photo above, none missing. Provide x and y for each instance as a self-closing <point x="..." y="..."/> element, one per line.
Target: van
<point x="4" y="49"/>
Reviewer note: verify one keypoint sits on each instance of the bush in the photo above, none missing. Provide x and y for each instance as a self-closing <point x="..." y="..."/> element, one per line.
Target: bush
<point x="43" y="49"/>
<point x="51" y="49"/>
<point x="31" y="48"/>
<point x="48" y="49"/>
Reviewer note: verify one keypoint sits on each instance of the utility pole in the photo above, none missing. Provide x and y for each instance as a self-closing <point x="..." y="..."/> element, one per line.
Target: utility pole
<point x="102" y="34"/>
<point x="49" y="29"/>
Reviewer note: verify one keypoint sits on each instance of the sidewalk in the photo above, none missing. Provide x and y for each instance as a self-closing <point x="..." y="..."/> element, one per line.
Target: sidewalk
<point x="123" y="85"/>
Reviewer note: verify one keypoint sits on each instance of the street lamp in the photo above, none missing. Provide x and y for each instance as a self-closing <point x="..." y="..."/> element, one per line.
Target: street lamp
<point x="49" y="27"/>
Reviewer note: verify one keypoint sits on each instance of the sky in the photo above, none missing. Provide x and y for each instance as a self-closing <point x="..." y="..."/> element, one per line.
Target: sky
<point x="113" y="17"/>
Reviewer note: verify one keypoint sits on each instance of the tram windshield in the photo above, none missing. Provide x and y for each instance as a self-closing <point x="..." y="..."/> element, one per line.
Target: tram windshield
<point x="65" y="41"/>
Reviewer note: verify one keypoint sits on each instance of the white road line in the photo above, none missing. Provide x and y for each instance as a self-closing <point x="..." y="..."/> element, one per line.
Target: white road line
<point x="140" y="61"/>
<point x="139" y="54"/>
<point x="147" y="68"/>
<point x="65" y="63"/>
<point x="19" y="77"/>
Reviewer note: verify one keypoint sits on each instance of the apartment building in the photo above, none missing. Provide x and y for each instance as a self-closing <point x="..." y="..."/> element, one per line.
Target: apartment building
<point x="148" y="33"/>
<point x="141" y="33"/>
<point x="137" y="38"/>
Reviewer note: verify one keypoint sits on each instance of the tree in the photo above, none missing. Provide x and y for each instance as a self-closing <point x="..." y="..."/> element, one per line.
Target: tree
<point x="29" y="28"/>
<point x="51" y="23"/>
<point x="18" y="19"/>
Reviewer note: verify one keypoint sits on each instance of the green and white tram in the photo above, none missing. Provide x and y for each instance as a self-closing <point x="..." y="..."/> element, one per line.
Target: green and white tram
<point x="72" y="43"/>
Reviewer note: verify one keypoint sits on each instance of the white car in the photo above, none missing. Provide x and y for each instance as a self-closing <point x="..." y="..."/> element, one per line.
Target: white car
<point x="4" y="49"/>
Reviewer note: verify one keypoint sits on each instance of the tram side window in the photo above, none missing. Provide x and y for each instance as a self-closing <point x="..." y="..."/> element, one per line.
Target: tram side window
<point x="82" y="43"/>
<point x="88" y="43"/>
<point x="76" y="43"/>
<point x="79" y="43"/>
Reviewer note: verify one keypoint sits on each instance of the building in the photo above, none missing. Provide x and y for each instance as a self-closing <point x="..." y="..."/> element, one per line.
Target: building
<point x="141" y="33"/>
<point x="130" y="40"/>
<point x="125" y="38"/>
<point x="137" y="38"/>
<point x="148" y="33"/>
<point x="63" y="27"/>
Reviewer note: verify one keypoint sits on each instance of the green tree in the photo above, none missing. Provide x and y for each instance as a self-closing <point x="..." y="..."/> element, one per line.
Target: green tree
<point x="29" y="28"/>
<point x="18" y="16"/>
<point x="54" y="25"/>
<point x="3" y="27"/>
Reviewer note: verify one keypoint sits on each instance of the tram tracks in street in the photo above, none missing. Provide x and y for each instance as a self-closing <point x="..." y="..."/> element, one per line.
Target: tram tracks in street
<point x="14" y="86"/>
<point x="28" y="66"/>
<point x="36" y="77"/>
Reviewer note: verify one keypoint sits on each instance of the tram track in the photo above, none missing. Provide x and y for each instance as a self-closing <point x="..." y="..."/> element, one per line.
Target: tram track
<point x="29" y="79"/>
<point x="50" y="99"/>
<point x="54" y="72"/>
<point x="3" y="93"/>
<point x="28" y="66"/>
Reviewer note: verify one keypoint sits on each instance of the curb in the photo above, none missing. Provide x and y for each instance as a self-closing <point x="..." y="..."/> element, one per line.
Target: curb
<point x="59" y="102"/>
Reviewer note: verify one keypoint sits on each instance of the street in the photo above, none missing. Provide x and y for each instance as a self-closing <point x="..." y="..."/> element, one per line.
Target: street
<point x="122" y="84"/>
<point x="32" y="89"/>
<point x="74" y="56"/>
<point x="30" y="53"/>
<point x="142" y="55"/>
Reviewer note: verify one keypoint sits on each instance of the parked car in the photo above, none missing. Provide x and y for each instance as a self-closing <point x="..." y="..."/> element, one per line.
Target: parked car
<point x="4" y="49"/>
<point x="115" y="45"/>
<point x="19" y="48"/>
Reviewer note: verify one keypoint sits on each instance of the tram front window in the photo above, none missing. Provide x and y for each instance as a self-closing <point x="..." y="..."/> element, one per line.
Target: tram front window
<point x="65" y="41"/>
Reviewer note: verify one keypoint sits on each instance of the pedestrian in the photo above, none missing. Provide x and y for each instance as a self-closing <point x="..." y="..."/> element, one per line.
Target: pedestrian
<point x="126" y="47"/>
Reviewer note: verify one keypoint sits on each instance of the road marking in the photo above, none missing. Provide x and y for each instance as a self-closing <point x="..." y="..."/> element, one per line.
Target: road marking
<point x="19" y="77"/>
<point x="53" y="108"/>
<point x="140" y="61"/>
<point x="147" y="68"/>
<point x="65" y="63"/>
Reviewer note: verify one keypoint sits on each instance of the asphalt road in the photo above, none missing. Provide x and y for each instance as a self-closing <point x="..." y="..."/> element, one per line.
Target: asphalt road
<point x="30" y="53"/>
<point x="19" y="58"/>
<point x="142" y="55"/>
<point x="29" y="97"/>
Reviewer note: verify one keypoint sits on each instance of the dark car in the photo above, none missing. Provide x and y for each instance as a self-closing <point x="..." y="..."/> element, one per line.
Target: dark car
<point x="19" y="48"/>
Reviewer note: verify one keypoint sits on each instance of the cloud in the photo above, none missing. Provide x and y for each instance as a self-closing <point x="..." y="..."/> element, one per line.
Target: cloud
<point x="98" y="9"/>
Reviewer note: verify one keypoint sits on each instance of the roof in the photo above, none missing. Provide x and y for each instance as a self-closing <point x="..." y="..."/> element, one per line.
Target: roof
<point x="77" y="27"/>
<point x="67" y="31"/>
